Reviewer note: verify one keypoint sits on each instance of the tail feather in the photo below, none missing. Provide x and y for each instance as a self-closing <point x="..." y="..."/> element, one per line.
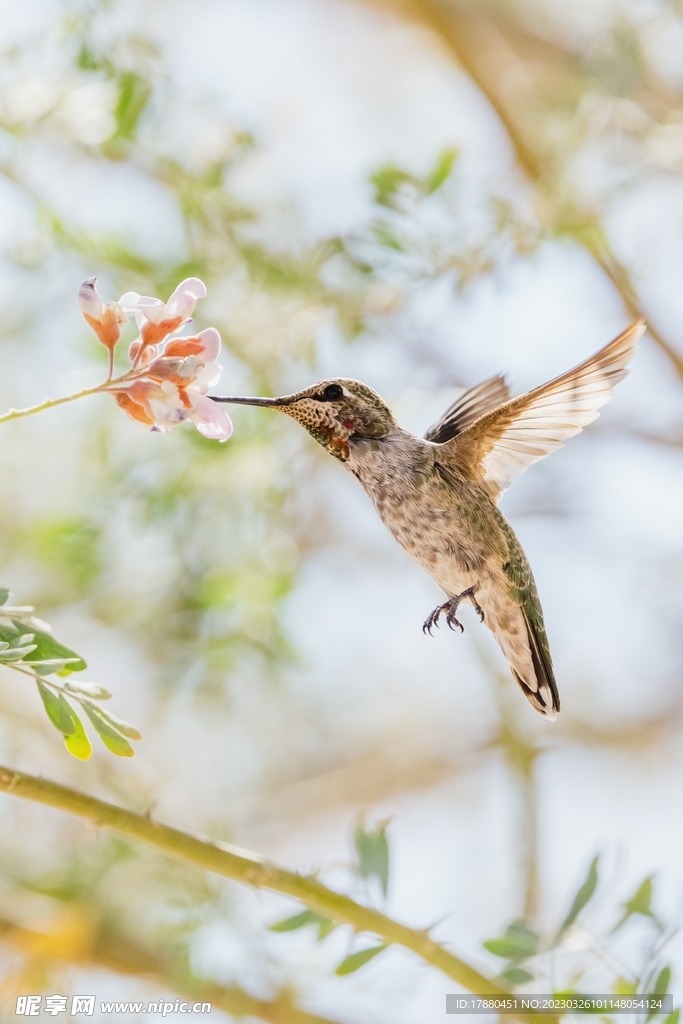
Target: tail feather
<point x="546" y="697"/>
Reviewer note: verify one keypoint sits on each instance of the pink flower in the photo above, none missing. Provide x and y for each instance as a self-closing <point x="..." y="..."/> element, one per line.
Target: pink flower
<point x="106" y="321"/>
<point x="185" y="360"/>
<point x="157" y="319"/>
<point x="174" y="386"/>
<point x="168" y="380"/>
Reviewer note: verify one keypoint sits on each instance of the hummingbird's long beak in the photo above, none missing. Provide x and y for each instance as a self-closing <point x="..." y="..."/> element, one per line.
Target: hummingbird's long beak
<point x="269" y="403"/>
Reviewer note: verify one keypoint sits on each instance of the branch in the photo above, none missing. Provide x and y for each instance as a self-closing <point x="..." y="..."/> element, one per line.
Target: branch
<point x="249" y="869"/>
<point x="484" y="50"/>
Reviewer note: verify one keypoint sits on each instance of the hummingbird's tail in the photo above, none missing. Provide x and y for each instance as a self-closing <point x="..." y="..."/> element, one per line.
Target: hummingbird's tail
<point x="544" y="696"/>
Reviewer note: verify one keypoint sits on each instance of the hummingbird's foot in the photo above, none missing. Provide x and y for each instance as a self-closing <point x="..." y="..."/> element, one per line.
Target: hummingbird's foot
<point x="450" y="607"/>
<point x="475" y="604"/>
<point x="433" y="618"/>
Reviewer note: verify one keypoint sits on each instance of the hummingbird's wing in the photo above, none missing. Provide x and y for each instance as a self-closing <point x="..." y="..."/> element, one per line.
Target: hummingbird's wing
<point x="466" y="409"/>
<point x="506" y="440"/>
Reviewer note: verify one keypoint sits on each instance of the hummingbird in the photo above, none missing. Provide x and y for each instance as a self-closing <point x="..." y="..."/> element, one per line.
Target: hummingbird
<point x="438" y="494"/>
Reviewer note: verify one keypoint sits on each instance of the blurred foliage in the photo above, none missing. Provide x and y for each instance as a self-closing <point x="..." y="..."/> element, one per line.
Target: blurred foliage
<point x="521" y="944"/>
<point x="372" y="849"/>
<point x="26" y="647"/>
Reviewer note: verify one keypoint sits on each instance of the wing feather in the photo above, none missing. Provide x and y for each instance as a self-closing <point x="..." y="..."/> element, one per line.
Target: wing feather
<point x="506" y="440"/>
<point x="467" y="409"/>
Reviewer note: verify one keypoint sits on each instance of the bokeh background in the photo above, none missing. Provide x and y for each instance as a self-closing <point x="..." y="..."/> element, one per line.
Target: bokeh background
<point x="419" y="194"/>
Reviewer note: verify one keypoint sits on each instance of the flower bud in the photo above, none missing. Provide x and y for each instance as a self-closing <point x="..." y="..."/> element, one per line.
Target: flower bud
<point x="106" y="321"/>
<point x="178" y="369"/>
<point x="142" y="358"/>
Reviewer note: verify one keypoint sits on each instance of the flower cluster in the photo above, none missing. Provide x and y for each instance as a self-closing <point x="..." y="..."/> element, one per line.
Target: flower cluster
<point x="169" y="376"/>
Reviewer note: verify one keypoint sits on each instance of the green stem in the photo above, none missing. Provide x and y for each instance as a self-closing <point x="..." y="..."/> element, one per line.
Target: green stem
<point x="249" y="869"/>
<point x="50" y="403"/>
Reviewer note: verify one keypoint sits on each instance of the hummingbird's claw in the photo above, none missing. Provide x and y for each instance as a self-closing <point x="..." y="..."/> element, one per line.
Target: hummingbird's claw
<point x="450" y="607"/>
<point x="433" y="618"/>
<point x="454" y="623"/>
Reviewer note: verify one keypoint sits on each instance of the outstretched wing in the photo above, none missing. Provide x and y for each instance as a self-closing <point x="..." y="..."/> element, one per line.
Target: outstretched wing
<point x="466" y="409"/>
<point x="506" y="440"/>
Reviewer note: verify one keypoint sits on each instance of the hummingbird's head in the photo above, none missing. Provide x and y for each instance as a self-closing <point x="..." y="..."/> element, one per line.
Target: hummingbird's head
<point x="332" y="411"/>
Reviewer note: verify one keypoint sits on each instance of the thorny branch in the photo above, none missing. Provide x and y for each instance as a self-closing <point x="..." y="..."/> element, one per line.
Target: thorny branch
<point x="249" y="869"/>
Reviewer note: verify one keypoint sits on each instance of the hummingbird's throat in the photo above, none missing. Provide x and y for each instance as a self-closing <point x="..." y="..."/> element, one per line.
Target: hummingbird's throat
<point x="321" y="422"/>
<point x="336" y="442"/>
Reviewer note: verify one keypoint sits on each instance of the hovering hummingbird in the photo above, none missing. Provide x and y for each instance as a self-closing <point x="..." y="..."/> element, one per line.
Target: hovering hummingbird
<point x="438" y="494"/>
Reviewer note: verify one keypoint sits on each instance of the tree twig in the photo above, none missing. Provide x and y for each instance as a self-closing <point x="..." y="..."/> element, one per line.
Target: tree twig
<point x="481" y="47"/>
<point x="248" y="868"/>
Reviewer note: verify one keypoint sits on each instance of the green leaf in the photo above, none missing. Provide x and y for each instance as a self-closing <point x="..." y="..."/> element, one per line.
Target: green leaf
<point x="325" y="926"/>
<point x="518" y="943"/>
<point x="11" y="654"/>
<point x="356" y="960"/>
<point x="372" y="847"/>
<point x="134" y="94"/>
<point x="582" y="897"/>
<point x="661" y="985"/>
<point x="624" y="987"/>
<point x="78" y="744"/>
<point x="52" y="666"/>
<point x="112" y="739"/>
<point x="387" y="181"/>
<point x="517" y="975"/>
<point x="638" y="904"/>
<point x="660" y="988"/>
<point x="386" y="237"/>
<point x="88" y="690"/>
<point x="306" y="917"/>
<point x="4" y="594"/>
<point x="46" y="647"/>
<point x="58" y="709"/>
<point x="114" y="721"/>
<point x="673" y="1018"/>
<point x="441" y="170"/>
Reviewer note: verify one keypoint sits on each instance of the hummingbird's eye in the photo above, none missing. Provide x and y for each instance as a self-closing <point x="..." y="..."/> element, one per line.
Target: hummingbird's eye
<point x="331" y="393"/>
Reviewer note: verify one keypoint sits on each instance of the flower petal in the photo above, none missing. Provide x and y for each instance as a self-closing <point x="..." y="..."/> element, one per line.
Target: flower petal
<point x="211" y="343"/>
<point x="89" y="299"/>
<point x="184" y="298"/>
<point x="167" y="413"/>
<point x="106" y="321"/>
<point x="184" y="347"/>
<point x="148" y="354"/>
<point x="211" y="420"/>
<point x="193" y="286"/>
<point x="209" y="376"/>
<point x="178" y="369"/>
<point x="154" y="332"/>
<point x="153" y="309"/>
